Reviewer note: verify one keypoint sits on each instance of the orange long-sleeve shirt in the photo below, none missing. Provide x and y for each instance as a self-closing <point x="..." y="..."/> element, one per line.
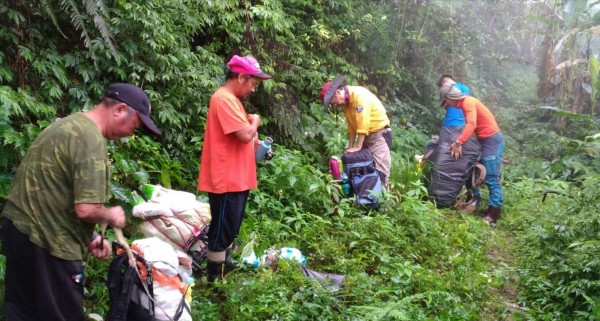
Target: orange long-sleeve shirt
<point x="479" y="120"/>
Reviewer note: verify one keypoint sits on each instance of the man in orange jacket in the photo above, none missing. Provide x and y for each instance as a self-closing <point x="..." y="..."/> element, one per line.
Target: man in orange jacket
<point x="481" y="122"/>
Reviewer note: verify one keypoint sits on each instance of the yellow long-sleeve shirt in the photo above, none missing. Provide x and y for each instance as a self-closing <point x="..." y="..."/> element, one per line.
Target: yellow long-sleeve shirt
<point x="365" y="113"/>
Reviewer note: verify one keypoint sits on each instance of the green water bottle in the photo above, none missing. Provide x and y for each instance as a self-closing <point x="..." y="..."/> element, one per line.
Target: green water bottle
<point x="345" y="184"/>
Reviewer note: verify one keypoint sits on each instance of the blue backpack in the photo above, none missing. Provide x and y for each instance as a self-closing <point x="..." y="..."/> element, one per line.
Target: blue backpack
<point x="365" y="180"/>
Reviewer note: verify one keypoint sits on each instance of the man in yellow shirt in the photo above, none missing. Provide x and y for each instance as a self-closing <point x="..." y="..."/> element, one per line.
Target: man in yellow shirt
<point x="368" y="124"/>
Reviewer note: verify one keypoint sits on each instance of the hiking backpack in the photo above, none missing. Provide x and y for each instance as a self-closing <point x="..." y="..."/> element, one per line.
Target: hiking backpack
<point x="365" y="180"/>
<point x="445" y="176"/>
<point x="128" y="298"/>
<point x="132" y="299"/>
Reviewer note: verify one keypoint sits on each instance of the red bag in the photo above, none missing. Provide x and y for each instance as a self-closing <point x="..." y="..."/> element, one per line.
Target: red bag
<point x="334" y="168"/>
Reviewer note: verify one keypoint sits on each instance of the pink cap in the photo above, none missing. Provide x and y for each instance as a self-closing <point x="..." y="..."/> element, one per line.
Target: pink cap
<point x="246" y="65"/>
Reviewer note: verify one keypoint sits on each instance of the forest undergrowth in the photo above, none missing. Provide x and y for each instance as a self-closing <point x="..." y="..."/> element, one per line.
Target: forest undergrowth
<point x="410" y="260"/>
<point x="546" y="244"/>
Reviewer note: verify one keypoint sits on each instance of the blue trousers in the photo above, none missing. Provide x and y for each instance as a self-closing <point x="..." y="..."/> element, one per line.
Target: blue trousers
<point x="493" y="148"/>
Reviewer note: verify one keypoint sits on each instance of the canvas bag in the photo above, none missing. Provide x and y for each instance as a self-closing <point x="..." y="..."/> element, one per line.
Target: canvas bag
<point x="178" y="219"/>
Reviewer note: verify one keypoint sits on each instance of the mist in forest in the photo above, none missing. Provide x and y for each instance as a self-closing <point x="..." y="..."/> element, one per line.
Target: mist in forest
<point x="560" y="39"/>
<point x="533" y="63"/>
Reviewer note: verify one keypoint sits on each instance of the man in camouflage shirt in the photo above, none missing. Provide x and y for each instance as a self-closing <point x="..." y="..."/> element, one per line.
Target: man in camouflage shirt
<point x="57" y="199"/>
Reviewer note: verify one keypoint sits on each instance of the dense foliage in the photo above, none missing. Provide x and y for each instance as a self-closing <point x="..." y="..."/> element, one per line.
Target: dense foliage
<point x="406" y="261"/>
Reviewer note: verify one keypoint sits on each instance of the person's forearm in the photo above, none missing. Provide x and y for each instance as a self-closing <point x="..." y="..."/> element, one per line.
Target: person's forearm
<point x="249" y="133"/>
<point x="99" y="214"/>
<point x="361" y="140"/>
<point x="351" y="138"/>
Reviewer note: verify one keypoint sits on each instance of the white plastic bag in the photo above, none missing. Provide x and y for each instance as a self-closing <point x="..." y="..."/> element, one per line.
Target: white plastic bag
<point x="169" y="290"/>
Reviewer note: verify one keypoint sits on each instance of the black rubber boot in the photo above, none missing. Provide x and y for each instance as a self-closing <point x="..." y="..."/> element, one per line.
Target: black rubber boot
<point x="230" y="265"/>
<point x="216" y="271"/>
<point x="492" y="214"/>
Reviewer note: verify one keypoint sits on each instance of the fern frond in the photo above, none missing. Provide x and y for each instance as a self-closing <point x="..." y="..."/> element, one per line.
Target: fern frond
<point x="97" y="9"/>
<point x="70" y="6"/>
<point x="50" y="12"/>
<point x="400" y="310"/>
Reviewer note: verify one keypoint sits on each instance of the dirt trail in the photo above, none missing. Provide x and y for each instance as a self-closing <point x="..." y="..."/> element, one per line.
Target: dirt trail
<point x="503" y="301"/>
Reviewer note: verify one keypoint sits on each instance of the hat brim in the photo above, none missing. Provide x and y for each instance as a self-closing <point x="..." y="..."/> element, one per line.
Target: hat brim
<point x="335" y="84"/>
<point x="262" y="75"/>
<point x="444" y="91"/>
<point x="149" y="124"/>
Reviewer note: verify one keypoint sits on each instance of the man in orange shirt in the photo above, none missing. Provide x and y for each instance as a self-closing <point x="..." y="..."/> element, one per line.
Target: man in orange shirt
<point x="479" y="120"/>
<point x="228" y="165"/>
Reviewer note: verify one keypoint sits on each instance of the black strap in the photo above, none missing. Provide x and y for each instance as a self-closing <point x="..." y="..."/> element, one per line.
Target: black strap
<point x="120" y="282"/>
<point x="182" y="306"/>
<point x="122" y="279"/>
<point x="150" y="282"/>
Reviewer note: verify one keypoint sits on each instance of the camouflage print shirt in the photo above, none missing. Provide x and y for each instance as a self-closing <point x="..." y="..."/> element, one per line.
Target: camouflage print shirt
<point x="66" y="165"/>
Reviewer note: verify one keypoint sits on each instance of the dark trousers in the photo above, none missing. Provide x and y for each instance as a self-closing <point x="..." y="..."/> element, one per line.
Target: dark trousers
<point x="227" y="212"/>
<point x="39" y="286"/>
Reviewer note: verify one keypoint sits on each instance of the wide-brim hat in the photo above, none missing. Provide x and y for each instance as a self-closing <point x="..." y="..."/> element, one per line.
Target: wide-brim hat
<point x="329" y="90"/>
<point x="451" y="92"/>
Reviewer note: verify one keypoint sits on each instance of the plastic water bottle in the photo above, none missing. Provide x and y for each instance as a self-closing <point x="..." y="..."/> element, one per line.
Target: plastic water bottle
<point x="345" y="184"/>
<point x="186" y="276"/>
<point x="263" y="148"/>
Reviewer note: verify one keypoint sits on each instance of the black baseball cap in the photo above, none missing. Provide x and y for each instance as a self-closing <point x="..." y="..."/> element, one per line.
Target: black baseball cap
<point x="137" y="99"/>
